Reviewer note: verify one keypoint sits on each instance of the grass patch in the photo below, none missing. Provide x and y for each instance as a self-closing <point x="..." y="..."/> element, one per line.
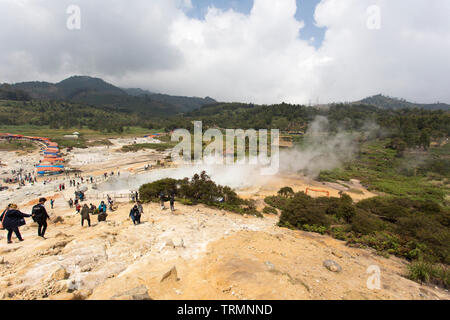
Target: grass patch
<point x="144" y="146"/>
<point x="428" y="273"/>
<point x="17" y="146"/>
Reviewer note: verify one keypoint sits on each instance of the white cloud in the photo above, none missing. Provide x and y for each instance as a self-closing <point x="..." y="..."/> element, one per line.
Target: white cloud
<point x="231" y="56"/>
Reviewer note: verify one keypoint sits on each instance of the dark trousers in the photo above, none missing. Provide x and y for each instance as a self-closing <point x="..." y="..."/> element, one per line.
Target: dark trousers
<point x="42" y="228"/>
<point x="88" y="220"/>
<point x="16" y="231"/>
<point x="137" y="219"/>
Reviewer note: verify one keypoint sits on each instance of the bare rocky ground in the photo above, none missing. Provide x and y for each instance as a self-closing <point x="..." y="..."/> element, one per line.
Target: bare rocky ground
<point x="196" y="253"/>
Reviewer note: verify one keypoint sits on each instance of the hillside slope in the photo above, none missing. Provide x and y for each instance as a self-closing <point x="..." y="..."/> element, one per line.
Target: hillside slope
<point x="385" y="102"/>
<point x="97" y="92"/>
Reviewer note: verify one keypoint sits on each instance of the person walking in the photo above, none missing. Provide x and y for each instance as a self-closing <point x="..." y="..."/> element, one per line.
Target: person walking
<point x="52" y="202"/>
<point x="71" y="203"/>
<point x="140" y="208"/>
<point x="172" y="201"/>
<point x="85" y="215"/>
<point x="40" y="216"/>
<point x="135" y="215"/>
<point x="102" y="212"/>
<point x="12" y="219"/>
<point x="161" y="200"/>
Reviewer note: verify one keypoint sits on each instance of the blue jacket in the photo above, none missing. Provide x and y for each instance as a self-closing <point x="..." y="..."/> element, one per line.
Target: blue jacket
<point x="13" y="219"/>
<point x="102" y="208"/>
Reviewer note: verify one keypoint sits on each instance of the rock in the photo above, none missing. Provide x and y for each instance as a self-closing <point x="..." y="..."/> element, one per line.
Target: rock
<point x="178" y="242"/>
<point x="61" y="286"/>
<point x="138" y="293"/>
<point x="82" y="294"/>
<point x="169" y="243"/>
<point x="61" y="235"/>
<point x="58" y="219"/>
<point x="336" y="254"/>
<point x="332" y="266"/>
<point x="170" y="275"/>
<point x="270" y="265"/>
<point x="60" y="274"/>
<point x="60" y="244"/>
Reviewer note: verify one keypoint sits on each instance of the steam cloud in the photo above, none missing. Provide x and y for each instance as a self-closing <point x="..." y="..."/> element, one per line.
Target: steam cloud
<point x="322" y="150"/>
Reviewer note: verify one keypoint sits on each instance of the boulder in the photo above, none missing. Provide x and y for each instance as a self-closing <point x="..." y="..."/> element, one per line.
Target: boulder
<point x="138" y="293"/>
<point x="332" y="266"/>
<point x="170" y="275"/>
<point x="58" y="219"/>
<point x="60" y="274"/>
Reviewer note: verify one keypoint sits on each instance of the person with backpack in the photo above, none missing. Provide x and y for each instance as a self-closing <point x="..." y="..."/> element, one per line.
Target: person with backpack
<point x="102" y="207"/>
<point x="140" y="208"/>
<point x="40" y="216"/>
<point x="172" y="201"/>
<point x="12" y="219"/>
<point x="135" y="215"/>
<point x="85" y="215"/>
<point x="162" y="198"/>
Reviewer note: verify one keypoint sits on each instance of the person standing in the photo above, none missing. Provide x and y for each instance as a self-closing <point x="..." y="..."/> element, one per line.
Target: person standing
<point x="52" y="202"/>
<point x="71" y="203"/>
<point x="135" y="215"/>
<point x="12" y="219"/>
<point x="40" y="216"/>
<point x="172" y="201"/>
<point x="140" y="208"/>
<point x="85" y="215"/>
<point x="161" y="200"/>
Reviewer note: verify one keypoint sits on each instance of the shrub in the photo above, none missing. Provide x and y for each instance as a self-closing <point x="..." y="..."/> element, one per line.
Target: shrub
<point x="425" y="272"/>
<point x="301" y="210"/>
<point x="199" y="189"/>
<point x="286" y="192"/>
<point x="151" y="191"/>
<point x="270" y="210"/>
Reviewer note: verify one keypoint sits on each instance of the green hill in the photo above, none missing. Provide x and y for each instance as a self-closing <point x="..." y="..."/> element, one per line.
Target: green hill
<point x="385" y="102"/>
<point x="99" y="93"/>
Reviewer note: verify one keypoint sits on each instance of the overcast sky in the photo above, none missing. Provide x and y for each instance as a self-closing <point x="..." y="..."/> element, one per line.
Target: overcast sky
<point x="261" y="51"/>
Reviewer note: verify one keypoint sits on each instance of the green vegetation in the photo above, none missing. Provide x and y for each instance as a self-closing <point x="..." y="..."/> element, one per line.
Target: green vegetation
<point x="270" y="210"/>
<point x="425" y="272"/>
<point x="17" y="145"/>
<point x="378" y="168"/>
<point x="142" y="146"/>
<point x="199" y="189"/>
<point x="417" y="230"/>
<point x="97" y="143"/>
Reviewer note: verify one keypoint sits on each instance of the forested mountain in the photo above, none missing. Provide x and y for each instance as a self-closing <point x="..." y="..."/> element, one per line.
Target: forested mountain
<point x="395" y="103"/>
<point x="97" y="92"/>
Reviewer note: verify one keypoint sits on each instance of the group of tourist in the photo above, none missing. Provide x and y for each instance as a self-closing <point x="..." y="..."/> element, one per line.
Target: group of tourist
<point x="12" y="218"/>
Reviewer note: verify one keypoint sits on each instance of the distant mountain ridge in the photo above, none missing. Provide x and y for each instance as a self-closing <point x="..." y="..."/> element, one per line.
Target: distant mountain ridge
<point x="386" y="102"/>
<point x="97" y="92"/>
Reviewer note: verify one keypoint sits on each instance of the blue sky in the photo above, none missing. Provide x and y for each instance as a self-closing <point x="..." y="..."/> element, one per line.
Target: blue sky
<point x="305" y="12"/>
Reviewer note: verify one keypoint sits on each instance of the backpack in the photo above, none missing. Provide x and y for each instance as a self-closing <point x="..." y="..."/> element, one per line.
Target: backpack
<point x="37" y="213"/>
<point x="1" y="223"/>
